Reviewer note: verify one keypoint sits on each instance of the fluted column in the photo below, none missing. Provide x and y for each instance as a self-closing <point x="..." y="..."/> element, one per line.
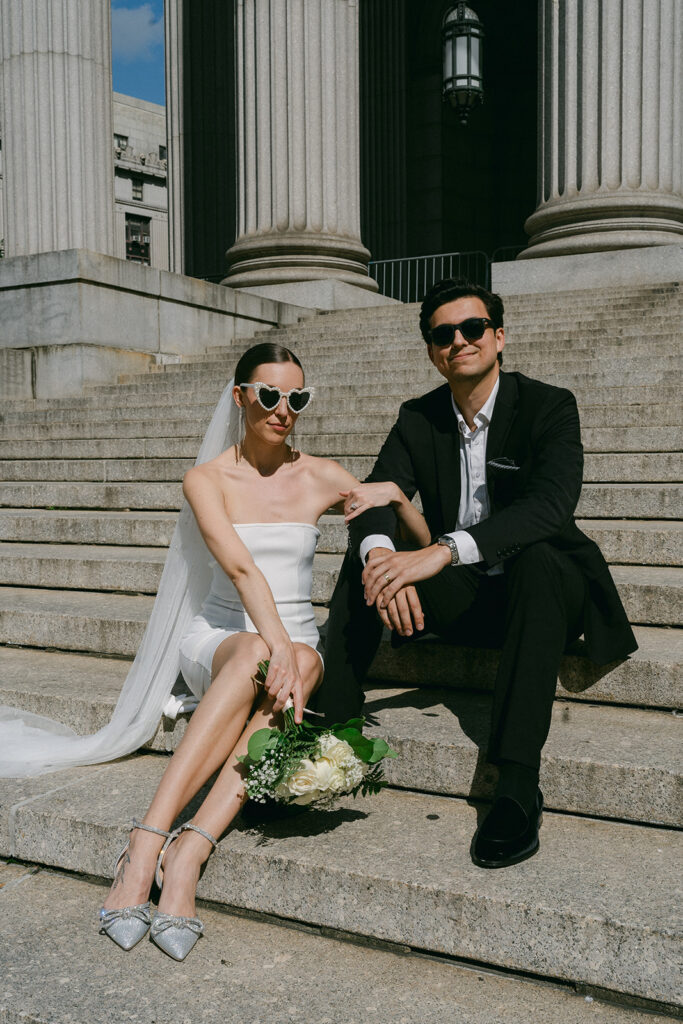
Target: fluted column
<point x="610" y="173"/>
<point x="56" y="109"/>
<point x="175" y="132"/>
<point x="298" y="132"/>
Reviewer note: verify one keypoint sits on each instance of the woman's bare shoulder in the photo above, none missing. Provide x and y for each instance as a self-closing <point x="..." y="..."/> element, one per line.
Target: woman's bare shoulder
<point x="326" y="470"/>
<point x="216" y="472"/>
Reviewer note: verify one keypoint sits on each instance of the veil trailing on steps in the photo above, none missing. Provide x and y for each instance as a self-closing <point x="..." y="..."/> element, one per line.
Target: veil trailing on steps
<point x="32" y="744"/>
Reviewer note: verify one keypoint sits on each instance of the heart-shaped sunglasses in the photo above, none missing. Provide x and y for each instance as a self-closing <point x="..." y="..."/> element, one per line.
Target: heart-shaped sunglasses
<point x="269" y="397"/>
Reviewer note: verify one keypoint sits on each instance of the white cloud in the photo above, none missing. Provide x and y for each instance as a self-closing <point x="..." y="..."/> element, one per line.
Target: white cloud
<point x="136" y="32"/>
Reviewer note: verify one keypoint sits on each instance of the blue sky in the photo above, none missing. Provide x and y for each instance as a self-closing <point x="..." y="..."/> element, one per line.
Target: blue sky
<point x="137" y="31"/>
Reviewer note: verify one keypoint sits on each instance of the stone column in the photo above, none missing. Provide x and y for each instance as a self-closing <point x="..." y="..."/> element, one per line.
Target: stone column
<point x="56" y="108"/>
<point x="175" y="133"/>
<point x="609" y="126"/>
<point x="298" y="131"/>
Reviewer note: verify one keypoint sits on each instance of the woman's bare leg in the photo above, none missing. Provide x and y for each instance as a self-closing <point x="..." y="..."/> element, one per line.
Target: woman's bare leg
<point x="184" y="858"/>
<point x="212" y="732"/>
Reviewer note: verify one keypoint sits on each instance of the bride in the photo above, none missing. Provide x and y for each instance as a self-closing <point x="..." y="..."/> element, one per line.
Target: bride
<point x="256" y="505"/>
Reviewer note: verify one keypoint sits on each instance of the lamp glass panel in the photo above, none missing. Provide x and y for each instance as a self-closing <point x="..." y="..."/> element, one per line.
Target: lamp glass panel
<point x="447" y="59"/>
<point x="461" y="56"/>
<point x="475" y="57"/>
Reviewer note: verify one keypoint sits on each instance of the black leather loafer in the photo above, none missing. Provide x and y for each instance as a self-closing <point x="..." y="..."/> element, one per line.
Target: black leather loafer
<point x="507" y="835"/>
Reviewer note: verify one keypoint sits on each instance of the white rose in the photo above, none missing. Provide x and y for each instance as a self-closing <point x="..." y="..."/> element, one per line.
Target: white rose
<point x="338" y="751"/>
<point x="337" y="780"/>
<point x="323" y="771"/>
<point x="307" y="798"/>
<point x="303" y="780"/>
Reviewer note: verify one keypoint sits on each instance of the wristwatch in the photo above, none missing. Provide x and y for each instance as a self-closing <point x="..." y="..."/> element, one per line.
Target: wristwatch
<point x="448" y="542"/>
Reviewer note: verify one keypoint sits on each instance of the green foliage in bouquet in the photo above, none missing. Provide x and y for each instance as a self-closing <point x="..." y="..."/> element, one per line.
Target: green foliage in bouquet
<point x="311" y="764"/>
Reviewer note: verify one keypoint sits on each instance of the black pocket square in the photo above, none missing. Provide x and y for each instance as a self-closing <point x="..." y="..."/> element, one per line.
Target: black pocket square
<point x="502" y="463"/>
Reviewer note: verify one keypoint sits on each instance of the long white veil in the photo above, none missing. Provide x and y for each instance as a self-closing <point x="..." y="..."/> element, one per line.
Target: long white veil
<point x="32" y="744"/>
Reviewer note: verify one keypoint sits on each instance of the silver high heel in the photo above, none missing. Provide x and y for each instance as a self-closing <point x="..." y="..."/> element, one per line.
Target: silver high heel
<point x="176" y="936"/>
<point x="128" y="925"/>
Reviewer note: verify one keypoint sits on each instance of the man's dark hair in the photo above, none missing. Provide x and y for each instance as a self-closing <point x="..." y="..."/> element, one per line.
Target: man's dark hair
<point x="452" y="288"/>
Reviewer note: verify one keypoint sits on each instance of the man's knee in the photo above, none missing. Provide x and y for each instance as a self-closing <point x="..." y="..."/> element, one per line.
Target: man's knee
<point x="539" y="557"/>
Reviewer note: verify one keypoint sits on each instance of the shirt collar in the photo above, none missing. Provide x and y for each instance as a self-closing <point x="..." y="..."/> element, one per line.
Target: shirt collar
<point x="483" y="417"/>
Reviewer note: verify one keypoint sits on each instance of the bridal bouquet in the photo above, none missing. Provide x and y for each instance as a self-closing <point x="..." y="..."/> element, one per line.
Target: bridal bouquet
<point x="312" y="765"/>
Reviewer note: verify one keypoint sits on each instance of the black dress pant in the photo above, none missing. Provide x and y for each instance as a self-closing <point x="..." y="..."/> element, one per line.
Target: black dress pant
<point x="531" y="612"/>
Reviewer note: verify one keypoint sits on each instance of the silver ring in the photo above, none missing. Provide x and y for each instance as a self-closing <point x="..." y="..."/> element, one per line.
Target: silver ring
<point x="353" y="506"/>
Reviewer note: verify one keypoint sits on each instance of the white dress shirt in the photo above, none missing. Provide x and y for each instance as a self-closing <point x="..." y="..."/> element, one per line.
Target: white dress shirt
<point x="474" y="496"/>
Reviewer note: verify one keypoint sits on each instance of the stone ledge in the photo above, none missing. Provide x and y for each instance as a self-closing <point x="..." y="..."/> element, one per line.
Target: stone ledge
<point x="266" y="968"/>
<point x="69" y="306"/>
<point x="595" y="905"/>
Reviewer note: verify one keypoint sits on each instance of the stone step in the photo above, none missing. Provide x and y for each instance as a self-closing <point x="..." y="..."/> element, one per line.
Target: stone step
<point x="651" y="677"/>
<point x="651" y="594"/>
<point x="135" y="570"/>
<point x="333" y="406"/>
<point x="649" y="542"/>
<point x="419" y="376"/>
<point x="48" y="526"/>
<point x="604" y="761"/>
<point x="618" y="466"/>
<point x="103" y="448"/>
<point x="630" y="542"/>
<point x="408" y="878"/>
<point x="198" y="393"/>
<point x="352" y="979"/>
<point x="598" y="501"/>
<point x="63" y="495"/>
<point x="595" y="439"/>
<point x="78" y="620"/>
<point x="196" y="384"/>
<point x="129" y="529"/>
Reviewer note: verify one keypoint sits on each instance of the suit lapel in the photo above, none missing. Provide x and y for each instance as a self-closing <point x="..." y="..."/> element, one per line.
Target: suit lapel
<point x="504" y="412"/>
<point x="446" y="459"/>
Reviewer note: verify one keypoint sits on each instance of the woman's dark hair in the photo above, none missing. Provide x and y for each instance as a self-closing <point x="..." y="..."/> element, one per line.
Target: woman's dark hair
<point x="266" y="352"/>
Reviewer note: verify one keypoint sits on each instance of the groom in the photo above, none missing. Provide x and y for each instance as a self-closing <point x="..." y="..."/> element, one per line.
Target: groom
<point x="497" y="460"/>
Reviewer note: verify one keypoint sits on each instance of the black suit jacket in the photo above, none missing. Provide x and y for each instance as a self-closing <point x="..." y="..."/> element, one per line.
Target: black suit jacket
<point x="534" y="471"/>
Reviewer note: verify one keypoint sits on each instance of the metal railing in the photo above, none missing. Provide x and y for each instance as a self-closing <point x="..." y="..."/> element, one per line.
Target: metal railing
<point x="409" y="278"/>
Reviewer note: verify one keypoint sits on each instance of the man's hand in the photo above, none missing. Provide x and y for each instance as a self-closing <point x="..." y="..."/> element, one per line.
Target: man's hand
<point x="388" y="574"/>
<point x="404" y="612"/>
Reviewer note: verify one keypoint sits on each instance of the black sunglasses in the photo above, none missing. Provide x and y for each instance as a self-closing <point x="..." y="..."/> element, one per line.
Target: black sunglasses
<point x="471" y="329"/>
<point x="269" y="397"/>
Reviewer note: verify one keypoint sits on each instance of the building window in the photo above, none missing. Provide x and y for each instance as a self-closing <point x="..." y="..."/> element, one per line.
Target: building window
<point x="120" y="141"/>
<point x="137" y="188"/>
<point x="137" y="239"/>
<point x="162" y="152"/>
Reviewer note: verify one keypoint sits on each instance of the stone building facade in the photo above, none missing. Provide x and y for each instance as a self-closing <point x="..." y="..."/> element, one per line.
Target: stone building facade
<point x="140" y="181"/>
<point x="305" y="137"/>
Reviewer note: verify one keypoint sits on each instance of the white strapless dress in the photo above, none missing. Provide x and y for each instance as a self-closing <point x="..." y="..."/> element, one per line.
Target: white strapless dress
<point x="284" y="554"/>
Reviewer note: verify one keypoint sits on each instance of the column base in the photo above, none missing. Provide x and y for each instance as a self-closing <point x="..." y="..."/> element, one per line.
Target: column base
<point x="624" y="220"/>
<point x="627" y="268"/>
<point x="287" y="258"/>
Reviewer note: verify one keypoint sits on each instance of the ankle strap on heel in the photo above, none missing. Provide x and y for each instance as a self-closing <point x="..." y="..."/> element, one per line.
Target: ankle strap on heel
<point x="196" y="828"/>
<point x="171" y="836"/>
<point x="149" y="828"/>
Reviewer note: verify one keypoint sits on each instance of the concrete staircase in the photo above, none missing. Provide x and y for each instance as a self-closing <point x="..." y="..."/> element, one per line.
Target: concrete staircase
<point x="89" y="497"/>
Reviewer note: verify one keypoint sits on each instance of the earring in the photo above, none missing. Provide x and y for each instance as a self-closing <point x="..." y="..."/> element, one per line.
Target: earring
<point x="291" y="442"/>
<point x="242" y="432"/>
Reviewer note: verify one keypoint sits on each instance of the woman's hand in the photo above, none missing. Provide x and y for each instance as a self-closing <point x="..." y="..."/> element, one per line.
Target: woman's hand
<point x="284" y="681"/>
<point x="364" y="496"/>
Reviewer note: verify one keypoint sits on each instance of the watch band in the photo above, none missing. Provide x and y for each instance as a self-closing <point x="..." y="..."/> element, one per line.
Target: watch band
<point x="448" y="542"/>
